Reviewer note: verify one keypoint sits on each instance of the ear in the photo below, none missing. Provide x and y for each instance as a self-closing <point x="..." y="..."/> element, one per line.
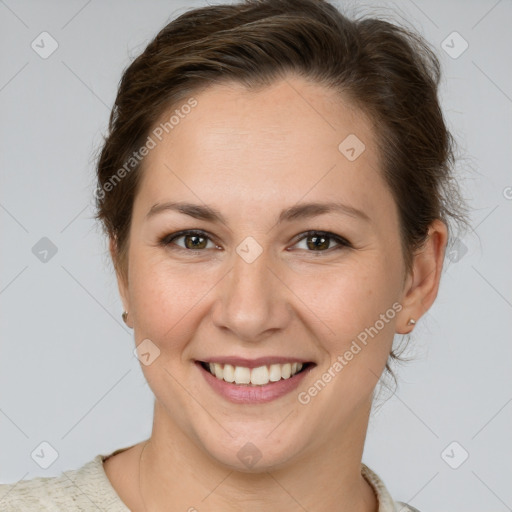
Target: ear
<point x="422" y="283"/>
<point x="122" y="282"/>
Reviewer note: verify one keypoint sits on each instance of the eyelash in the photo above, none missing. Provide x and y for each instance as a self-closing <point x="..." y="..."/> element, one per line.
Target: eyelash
<point x="167" y="240"/>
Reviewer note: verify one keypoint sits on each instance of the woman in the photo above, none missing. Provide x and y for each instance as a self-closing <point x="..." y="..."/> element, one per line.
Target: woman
<point x="275" y="186"/>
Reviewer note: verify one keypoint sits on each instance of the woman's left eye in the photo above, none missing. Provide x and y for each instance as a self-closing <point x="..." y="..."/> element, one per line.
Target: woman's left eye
<point x="320" y="241"/>
<point x="316" y="241"/>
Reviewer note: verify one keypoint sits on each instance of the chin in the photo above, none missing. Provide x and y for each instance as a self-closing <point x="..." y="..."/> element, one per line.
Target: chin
<point x="251" y="452"/>
<point x="250" y="458"/>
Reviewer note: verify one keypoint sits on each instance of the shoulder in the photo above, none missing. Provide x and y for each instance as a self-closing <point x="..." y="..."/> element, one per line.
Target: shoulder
<point x="75" y="490"/>
<point x="386" y="502"/>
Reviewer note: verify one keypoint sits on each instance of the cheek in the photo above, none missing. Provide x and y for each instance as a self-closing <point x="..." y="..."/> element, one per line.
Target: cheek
<point x="164" y="298"/>
<point x="165" y="302"/>
<point x="353" y="303"/>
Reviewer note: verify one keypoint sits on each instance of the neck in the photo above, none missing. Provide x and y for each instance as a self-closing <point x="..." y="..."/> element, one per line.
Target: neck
<point x="174" y="470"/>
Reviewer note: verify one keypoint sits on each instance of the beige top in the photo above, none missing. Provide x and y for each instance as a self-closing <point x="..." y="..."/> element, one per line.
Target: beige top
<point x="89" y="489"/>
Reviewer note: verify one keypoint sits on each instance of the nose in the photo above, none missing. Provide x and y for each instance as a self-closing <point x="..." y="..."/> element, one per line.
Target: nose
<point x="252" y="303"/>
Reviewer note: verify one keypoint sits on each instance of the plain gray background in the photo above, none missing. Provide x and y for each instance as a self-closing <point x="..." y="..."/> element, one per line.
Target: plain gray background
<point x="68" y="375"/>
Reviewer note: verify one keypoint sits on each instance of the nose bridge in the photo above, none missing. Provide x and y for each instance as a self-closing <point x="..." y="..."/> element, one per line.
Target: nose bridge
<point x="251" y="302"/>
<point x="250" y="276"/>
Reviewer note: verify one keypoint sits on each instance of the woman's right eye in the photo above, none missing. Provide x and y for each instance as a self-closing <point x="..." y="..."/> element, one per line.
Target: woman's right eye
<point x="192" y="241"/>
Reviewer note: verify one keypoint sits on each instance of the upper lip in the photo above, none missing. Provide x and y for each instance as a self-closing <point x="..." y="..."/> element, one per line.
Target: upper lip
<point x="253" y="363"/>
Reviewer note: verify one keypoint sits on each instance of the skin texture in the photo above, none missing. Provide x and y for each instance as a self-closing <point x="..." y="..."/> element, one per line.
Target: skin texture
<point x="250" y="155"/>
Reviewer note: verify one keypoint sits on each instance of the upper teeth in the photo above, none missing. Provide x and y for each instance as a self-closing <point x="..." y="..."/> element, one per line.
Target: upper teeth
<point x="256" y="376"/>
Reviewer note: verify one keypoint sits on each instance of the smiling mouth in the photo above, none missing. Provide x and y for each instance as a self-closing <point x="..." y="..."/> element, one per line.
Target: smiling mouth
<point x="260" y="376"/>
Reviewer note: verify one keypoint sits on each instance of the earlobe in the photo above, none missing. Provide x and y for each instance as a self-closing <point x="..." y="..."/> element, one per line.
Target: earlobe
<point x="422" y="284"/>
<point x="121" y="282"/>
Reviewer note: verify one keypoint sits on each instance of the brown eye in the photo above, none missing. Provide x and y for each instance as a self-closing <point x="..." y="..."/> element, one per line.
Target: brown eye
<point x="192" y="240"/>
<point x="319" y="241"/>
<point x="195" y="241"/>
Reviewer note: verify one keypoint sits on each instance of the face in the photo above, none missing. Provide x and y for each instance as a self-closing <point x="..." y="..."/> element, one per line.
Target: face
<point x="266" y="282"/>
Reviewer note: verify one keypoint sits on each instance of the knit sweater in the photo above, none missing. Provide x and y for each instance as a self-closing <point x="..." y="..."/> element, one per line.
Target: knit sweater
<point x="89" y="489"/>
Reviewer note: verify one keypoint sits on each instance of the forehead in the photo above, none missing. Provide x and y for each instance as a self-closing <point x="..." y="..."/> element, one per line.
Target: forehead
<point x="290" y="114"/>
<point x="279" y="143"/>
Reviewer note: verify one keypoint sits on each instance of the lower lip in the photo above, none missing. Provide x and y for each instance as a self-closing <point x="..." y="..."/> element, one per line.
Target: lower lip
<point x="249" y="394"/>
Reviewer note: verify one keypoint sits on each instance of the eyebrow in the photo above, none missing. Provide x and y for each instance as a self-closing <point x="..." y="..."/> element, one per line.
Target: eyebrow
<point x="297" y="212"/>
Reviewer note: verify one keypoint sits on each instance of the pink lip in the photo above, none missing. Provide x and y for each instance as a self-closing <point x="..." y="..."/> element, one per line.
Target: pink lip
<point x="253" y="363"/>
<point x="247" y="394"/>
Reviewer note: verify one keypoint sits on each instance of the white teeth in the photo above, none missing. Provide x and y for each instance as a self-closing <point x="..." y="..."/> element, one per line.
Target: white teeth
<point x="217" y="370"/>
<point x="256" y="376"/>
<point x="228" y="374"/>
<point x="242" y="375"/>
<point x="275" y="372"/>
<point x="259" y="376"/>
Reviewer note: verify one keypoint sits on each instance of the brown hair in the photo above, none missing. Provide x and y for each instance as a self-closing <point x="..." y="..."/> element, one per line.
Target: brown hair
<point x="389" y="72"/>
